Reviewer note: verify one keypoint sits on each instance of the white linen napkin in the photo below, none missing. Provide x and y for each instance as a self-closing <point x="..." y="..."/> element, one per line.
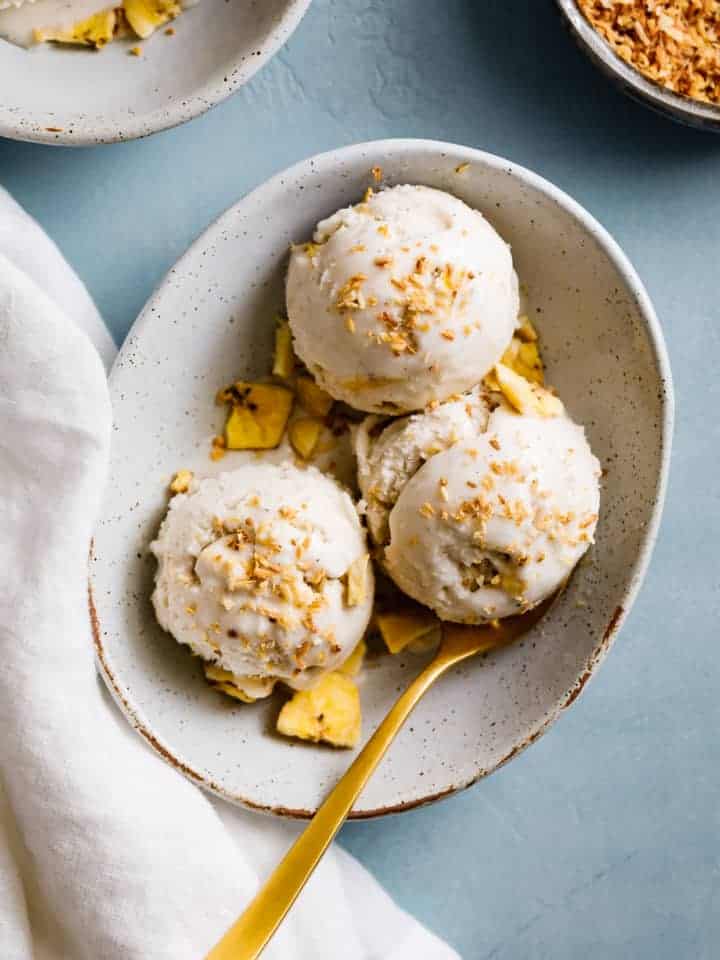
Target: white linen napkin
<point x="106" y="853"/>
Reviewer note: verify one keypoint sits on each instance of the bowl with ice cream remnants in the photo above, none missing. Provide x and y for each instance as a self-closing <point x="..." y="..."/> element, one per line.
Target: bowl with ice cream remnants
<point x="84" y="72"/>
<point x="213" y="322"/>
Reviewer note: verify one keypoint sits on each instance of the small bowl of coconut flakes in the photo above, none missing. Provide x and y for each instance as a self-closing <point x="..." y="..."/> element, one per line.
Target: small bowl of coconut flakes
<point x="663" y="53"/>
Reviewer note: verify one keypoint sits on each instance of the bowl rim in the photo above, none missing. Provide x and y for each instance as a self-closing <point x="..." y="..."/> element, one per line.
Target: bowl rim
<point x="83" y="130"/>
<point x="685" y="109"/>
<point x="455" y="153"/>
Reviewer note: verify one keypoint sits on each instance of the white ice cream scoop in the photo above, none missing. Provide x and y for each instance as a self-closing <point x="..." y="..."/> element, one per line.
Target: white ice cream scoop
<point x="401" y="300"/>
<point x="252" y="575"/>
<point x="390" y="452"/>
<point x="491" y="526"/>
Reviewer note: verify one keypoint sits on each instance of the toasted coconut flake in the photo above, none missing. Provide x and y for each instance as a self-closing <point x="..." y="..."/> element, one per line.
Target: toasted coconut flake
<point x="674" y="43"/>
<point x="181" y="481"/>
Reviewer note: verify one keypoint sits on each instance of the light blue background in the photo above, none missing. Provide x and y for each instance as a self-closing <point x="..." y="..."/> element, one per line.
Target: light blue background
<point x="603" y="840"/>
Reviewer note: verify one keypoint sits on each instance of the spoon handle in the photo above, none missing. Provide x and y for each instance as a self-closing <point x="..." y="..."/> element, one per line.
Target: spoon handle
<point x="246" y="939"/>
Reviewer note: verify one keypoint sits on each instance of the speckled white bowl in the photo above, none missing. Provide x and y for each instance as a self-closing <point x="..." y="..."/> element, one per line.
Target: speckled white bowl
<point x="212" y="320"/>
<point x="78" y="97"/>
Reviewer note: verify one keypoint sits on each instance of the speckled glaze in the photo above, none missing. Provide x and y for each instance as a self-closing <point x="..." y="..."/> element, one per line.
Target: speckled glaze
<point x="212" y="320"/>
<point x="79" y="98"/>
<point x="693" y="113"/>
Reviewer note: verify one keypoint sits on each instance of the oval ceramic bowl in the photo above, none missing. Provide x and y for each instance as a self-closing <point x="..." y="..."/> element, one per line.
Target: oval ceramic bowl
<point x="693" y="113"/>
<point x="212" y="320"/>
<point x="78" y="98"/>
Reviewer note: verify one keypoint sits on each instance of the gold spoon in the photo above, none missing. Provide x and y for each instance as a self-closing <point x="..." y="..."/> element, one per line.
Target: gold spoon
<point x="247" y="938"/>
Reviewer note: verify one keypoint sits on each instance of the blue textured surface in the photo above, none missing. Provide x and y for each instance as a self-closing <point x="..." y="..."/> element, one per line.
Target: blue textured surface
<point x="603" y="840"/>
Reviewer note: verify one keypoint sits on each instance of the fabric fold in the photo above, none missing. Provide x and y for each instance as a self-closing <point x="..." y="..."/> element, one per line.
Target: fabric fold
<point x="106" y="851"/>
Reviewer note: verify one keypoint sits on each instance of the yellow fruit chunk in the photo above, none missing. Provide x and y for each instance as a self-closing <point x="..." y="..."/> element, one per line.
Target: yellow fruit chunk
<point x="524" y="358"/>
<point x="95" y="31"/>
<point x="490" y="381"/>
<point x="222" y="680"/>
<point x="181" y="481"/>
<point x="283" y="358"/>
<point x="400" y="630"/>
<point x="145" y="16"/>
<point x="312" y="397"/>
<point x="513" y="585"/>
<point x="230" y="690"/>
<point x="304" y="434"/>
<point x="351" y="667"/>
<point x="258" y="415"/>
<point x="215" y="674"/>
<point x="526" y="331"/>
<point x="357" y="574"/>
<point x="357" y="384"/>
<point x="529" y="360"/>
<point x="524" y="396"/>
<point x="510" y="355"/>
<point x="330" y="712"/>
<point x="218" y="448"/>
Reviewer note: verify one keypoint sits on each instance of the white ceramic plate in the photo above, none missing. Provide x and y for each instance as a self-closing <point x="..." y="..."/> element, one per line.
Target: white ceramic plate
<point x="78" y="97"/>
<point x="212" y="321"/>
